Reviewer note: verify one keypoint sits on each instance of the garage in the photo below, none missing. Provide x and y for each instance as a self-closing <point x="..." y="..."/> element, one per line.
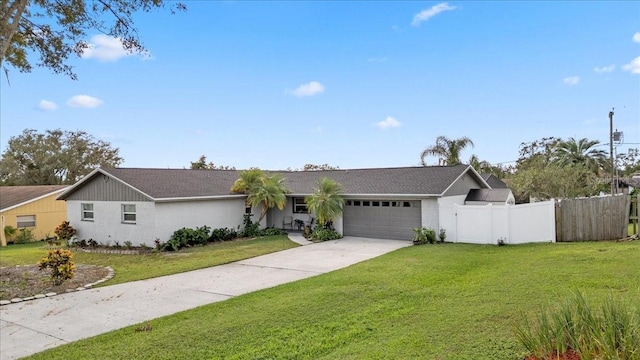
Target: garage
<point x="385" y="219"/>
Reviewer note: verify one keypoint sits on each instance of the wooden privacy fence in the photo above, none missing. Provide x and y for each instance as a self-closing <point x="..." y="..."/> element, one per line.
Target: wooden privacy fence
<point x="598" y="218"/>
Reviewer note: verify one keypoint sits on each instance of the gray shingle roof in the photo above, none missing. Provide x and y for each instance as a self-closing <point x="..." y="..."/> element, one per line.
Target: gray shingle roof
<point x="187" y="183"/>
<point x="488" y="195"/>
<point x="14" y="195"/>
<point x="431" y="180"/>
<point x="494" y="181"/>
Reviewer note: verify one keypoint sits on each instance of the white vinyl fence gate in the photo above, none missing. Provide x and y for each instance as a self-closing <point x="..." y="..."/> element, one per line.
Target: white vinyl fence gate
<point x="489" y="224"/>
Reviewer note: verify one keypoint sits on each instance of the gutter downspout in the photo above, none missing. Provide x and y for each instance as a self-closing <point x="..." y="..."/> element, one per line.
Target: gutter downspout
<point x="3" y="239"/>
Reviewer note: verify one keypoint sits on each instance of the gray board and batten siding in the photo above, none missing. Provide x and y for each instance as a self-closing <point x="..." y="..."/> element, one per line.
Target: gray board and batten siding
<point x="462" y="185"/>
<point x="106" y="188"/>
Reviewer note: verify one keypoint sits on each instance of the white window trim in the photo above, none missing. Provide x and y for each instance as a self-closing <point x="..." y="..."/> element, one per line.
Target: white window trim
<point x="128" y="213"/>
<point x="29" y="221"/>
<point x="83" y="212"/>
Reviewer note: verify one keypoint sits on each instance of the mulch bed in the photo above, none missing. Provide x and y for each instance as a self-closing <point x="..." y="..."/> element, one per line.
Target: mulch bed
<point x="26" y="280"/>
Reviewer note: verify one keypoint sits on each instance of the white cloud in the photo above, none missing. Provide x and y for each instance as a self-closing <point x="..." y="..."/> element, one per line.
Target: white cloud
<point x="107" y="48"/>
<point x="634" y="66"/>
<point x="604" y="69"/>
<point x="84" y="101"/>
<point x="309" y="89"/>
<point x="426" y="14"/>
<point x="47" y="105"/>
<point x="387" y="123"/>
<point x="571" y="80"/>
<point x="636" y="37"/>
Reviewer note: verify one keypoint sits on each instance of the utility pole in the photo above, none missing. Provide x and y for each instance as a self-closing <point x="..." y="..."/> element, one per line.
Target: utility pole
<point x="611" y="148"/>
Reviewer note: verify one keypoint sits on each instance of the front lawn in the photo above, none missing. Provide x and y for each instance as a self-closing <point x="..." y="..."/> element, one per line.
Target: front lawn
<point x="448" y="301"/>
<point x="137" y="267"/>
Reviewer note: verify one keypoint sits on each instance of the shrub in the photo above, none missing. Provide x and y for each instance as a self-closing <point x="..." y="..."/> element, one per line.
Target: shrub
<point x="613" y="333"/>
<point x="24" y="236"/>
<point x="60" y="263"/>
<point x="442" y="235"/>
<point x="272" y="232"/>
<point x="92" y="243"/>
<point x="128" y="244"/>
<point x="9" y="232"/>
<point x="187" y="237"/>
<point x="80" y="243"/>
<point x="65" y="231"/>
<point x="222" y="234"/>
<point x="424" y="235"/>
<point x="321" y="233"/>
<point x="250" y="229"/>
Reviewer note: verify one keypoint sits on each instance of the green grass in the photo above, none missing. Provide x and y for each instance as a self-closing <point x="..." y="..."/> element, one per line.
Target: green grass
<point x="136" y="267"/>
<point x="448" y="301"/>
<point x="610" y="332"/>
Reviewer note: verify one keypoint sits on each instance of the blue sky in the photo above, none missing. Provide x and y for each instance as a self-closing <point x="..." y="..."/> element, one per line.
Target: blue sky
<point x="353" y="84"/>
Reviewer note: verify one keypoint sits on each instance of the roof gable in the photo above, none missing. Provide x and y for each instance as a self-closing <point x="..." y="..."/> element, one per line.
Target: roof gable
<point x="14" y="196"/>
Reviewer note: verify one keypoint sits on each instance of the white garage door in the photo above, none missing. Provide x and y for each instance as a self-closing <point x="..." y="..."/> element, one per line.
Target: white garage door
<point x="385" y="219"/>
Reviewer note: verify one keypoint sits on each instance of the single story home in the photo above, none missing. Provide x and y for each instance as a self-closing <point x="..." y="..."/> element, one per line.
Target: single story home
<point x="142" y="205"/>
<point x="33" y="208"/>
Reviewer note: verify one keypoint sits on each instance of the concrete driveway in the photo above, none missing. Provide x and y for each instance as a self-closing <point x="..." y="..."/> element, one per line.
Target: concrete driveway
<point x="33" y="326"/>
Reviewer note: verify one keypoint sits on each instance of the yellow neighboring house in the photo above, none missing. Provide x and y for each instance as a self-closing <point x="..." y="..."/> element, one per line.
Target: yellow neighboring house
<point x="32" y="207"/>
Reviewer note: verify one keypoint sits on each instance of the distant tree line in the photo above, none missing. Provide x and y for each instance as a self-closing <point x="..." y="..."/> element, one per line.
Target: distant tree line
<point x="547" y="168"/>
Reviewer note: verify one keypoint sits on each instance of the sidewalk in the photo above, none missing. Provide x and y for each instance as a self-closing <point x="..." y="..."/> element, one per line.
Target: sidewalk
<point x="33" y="326"/>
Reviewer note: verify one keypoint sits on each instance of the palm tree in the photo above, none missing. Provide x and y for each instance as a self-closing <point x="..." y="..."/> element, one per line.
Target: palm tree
<point x="326" y="202"/>
<point x="481" y="166"/>
<point x="447" y="150"/>
<point x="268" y="192"/>
<point x="247" y="179"/>
<point x="580" y="153"/>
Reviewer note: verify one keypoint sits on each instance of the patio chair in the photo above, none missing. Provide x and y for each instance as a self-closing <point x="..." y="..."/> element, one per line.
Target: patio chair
<point x="310" y="222"/>
<point x="287" y="221"/>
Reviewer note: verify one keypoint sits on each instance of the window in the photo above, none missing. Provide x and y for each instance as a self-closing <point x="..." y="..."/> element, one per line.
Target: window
<point x="129" y="213"/>
<point x="356" y="203"/>
<point x="87" y="212"/>
<point x="406" y="204"/>
<point x="247" y="209"/>
<point x="348" y="202"/>
<point x="365" y="203"/>
<point x="26" y="221"/>
<point x="385" y="203"/>
<point x="375" y="203"/>
<point x="299" y="206"/>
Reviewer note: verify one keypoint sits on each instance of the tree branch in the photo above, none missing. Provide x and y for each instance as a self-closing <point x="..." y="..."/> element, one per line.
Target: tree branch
<point x="14" y="11"/>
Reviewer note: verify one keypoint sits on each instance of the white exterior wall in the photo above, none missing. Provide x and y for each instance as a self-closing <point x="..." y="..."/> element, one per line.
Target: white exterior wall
<point x="172" y="216"/>
<point x="107" y="226"/>
<point x="429" y="210"/>
<point x="486" y="224"/>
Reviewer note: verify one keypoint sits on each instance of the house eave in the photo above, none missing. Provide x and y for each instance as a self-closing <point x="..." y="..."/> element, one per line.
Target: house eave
<point x="32" y="200"/>
<point x="379" y="196"/>
<point x="199" y="198"/>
